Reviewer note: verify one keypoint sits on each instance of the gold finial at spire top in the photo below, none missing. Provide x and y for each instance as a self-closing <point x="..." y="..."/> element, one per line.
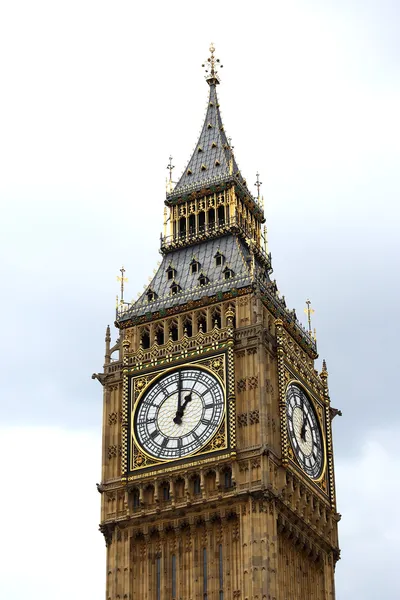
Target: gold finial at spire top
<point x="211" y="72"/>
<point x="308" y="310"/>
<point x="122" y="279"/>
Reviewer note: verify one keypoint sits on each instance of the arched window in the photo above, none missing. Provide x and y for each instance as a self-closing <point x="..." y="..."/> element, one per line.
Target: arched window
<point x="173" y="329"/>
<point x="159" y="334"/>
<point x="221" y="215"/>
<point x="165" y="491"/>
<point x="145" y="338"/>
<point x="196" y="485"/>
<point x="182" y="227"/>
<point x="216" y="317"/>
<point x="192" y="224"/>
<point x="227" y="479"/>
<point x="202" y="220"/>
<point x="149" y="495"/>
<point x="210" y="481"/>
<point x="135" y="498"/>
<point x="211" y="218"/>
<point x="187" y="326"/>
<point x="179" y="488"/>
<point x="202" y="322"/>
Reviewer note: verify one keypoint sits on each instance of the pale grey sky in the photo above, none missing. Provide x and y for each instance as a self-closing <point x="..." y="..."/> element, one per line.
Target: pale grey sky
<point x="94" y="98"/>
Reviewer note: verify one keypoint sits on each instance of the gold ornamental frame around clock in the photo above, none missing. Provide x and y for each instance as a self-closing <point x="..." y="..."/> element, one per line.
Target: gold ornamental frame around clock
<point x="322" y="426"/>
<point x="215" y="365"/>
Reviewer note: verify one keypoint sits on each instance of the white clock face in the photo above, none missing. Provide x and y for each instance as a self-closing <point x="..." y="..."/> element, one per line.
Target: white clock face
<point x="179" y="413"/>
<point x="304" y="431"/>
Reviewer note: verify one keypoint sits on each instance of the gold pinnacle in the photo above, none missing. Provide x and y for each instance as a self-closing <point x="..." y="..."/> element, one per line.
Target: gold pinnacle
<point x="308" y="310"/>
<point x="122" y="279"/>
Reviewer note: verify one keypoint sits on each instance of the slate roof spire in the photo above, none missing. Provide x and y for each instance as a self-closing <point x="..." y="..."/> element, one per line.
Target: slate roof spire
<point x="213" y="159"/>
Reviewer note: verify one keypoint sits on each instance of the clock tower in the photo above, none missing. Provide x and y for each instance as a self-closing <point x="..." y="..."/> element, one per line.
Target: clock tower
<point x="217" y="472"/>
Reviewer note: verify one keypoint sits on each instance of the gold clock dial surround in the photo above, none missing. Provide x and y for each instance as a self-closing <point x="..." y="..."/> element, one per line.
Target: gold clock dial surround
<point x="159" y="428"/>
<point x="304" y="431"/>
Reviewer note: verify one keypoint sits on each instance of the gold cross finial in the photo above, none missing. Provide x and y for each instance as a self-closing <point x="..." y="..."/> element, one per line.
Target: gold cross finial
<point x="170" y="183"/>
<point x="258" y="184"/>
<point x="170" y="166"/>
<point x="308" y="310"/>
<point x="122" y="279"/>
<point x="212" y="73"/>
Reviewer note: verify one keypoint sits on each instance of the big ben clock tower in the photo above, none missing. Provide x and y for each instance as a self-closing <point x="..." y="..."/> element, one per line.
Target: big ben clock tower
<point x="217" y="473"/>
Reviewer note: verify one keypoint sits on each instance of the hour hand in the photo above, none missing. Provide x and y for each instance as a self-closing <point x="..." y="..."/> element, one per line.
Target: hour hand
<point x="179" y="413"/>
<point x="187" y="399"/>
<point x="181" y="409"/>
<point x="303" y="430"/>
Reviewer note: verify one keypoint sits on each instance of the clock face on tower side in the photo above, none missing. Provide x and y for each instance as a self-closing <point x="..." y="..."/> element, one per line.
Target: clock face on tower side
<point x="179" y="413"/>
<point x="304" y="431"/>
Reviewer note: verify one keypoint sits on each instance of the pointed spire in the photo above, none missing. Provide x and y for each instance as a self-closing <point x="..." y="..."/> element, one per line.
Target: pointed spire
<point x="213" y="160"/>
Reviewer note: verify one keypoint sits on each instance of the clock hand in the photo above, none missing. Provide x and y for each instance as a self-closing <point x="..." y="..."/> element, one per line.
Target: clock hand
<point x="179" y="412"/>
<point x="181" y="409"/>
<point x="303" y="429"/>
<point x="187" y="399"/>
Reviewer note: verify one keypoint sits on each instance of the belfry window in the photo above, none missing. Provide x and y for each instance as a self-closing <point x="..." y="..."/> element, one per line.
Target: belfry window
<point x="182" y="226"/>
<point x="173" y="330"/>
<point x="187" y="326"/>
<point x="145" y="339"/>
<point x="159" y="334"/>
<point x="202" y="220"/>
<point x="192" y="224"/>
<point x="202" y="322"/>
<point x="211" y="218"/>
<point x="221" y="215"/>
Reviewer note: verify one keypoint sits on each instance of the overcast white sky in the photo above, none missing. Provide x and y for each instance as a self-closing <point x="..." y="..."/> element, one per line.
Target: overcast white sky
<point x="94" y="98"/>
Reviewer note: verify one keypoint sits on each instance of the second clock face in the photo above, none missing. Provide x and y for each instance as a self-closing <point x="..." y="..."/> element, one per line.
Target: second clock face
<point x="179" y="413"/>
<point x="304" y="431"/>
